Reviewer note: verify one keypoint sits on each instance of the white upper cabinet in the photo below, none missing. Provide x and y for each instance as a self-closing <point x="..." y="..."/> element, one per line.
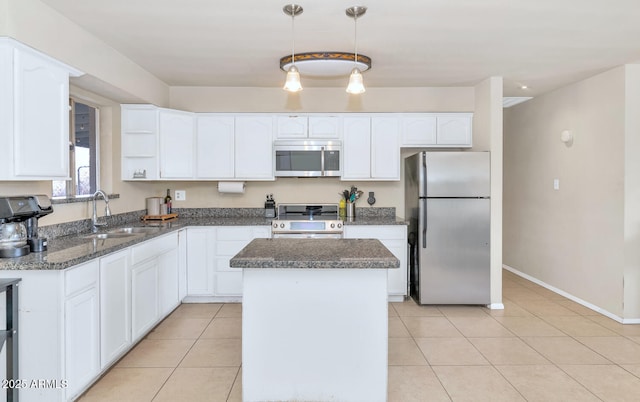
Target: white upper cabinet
<point x="291" y="127"/>
<point x="455" y="129"/>
<point x="308" y="127"/>
<point x="34" y="114"/>
<point x="437" y="130"/>
<point x="254" y="148"/>
<point x="385" y="148"/>
<point x="419" y="130"/>
<point x="140" y="126"/>
<point x="356" y="148"/>
<point x="215" y="147"/>
<point x="371" y="149"/>
<point x="328" y="127"/>
<point x="164" y="144"/>
<point x="177" y="138"/>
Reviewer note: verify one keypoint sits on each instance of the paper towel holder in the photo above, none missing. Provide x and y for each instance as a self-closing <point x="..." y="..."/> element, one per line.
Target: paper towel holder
<point x="231" y="187"/>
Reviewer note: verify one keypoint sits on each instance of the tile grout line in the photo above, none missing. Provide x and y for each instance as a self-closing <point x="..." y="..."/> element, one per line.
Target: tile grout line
<point x="186" y="353"/>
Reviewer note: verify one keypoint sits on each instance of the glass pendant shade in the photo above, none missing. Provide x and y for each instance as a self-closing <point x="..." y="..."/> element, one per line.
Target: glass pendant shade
<point x="292" y="83"/>
<point x="356" y="83"/>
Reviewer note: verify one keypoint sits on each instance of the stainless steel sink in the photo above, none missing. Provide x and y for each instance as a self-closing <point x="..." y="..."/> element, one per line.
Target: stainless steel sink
<point x="103" y="236"/>
<point x="134" y="230"/>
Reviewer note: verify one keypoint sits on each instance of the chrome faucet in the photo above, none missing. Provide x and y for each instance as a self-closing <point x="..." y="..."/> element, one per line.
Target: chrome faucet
<point x="107" y="211"/>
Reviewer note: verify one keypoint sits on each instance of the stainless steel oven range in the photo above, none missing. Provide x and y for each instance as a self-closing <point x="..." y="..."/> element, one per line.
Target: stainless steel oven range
<point x="315" y="221"/>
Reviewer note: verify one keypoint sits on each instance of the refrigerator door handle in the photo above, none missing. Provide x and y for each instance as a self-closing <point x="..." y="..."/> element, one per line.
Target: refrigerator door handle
<point x="423" y="211"/>
<point x="424" y="175"/>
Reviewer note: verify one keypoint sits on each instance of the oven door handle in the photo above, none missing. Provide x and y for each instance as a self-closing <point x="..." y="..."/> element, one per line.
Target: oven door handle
<point x="322" y="160"/>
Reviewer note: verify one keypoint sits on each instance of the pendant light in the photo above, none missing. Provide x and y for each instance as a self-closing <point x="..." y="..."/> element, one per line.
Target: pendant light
<point x="292" y="83"/>
<point x="356" y="83"/>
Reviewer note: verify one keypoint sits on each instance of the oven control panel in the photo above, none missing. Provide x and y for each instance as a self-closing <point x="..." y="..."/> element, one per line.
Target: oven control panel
<point x="307" y="226"/>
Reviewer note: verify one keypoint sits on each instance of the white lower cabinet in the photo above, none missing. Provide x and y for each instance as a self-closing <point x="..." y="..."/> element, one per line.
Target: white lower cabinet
<point x="115" y="306"/>
<point x="77" y="322"/>
<point x="154" y="282"/>
<point x="81" y="326"/>
<point x="209" y="250"/>
<point x="200" y="259"/>
<point x="144" y="297"/>
<point x="168" y="291"/>
<point x="393" y="237"/>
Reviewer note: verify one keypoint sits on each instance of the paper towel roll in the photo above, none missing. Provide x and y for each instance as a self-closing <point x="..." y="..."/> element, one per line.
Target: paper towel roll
<point x="234" y="187"/>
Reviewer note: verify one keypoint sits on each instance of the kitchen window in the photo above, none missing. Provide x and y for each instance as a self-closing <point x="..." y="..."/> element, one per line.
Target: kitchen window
<point x="83" y="152"/>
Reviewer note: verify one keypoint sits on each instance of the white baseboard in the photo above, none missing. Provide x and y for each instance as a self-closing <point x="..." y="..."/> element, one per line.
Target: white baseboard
<point x="212" y="299"/>
<point x="496" y="306"/>
<point x="572" y="297"/>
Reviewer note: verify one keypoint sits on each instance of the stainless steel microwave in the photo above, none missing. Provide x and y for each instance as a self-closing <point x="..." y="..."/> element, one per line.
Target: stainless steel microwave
<point x="307" y="158"/>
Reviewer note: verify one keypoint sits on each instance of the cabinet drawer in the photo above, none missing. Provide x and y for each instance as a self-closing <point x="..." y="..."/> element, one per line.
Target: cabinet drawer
<point x="81" y="277"/>
<point x="153" y="248"/>
<point x="376" y="232"/>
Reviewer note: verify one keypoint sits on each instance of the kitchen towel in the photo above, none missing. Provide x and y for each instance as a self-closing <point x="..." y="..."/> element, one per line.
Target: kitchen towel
<point x="233" y="187"/>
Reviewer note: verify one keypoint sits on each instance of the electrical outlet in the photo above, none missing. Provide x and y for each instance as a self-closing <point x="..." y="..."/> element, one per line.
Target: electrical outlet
<point x="181" y="195"/>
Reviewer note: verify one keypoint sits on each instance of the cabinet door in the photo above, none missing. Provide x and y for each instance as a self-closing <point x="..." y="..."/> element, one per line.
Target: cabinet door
<point x="419" y="131"/>
<point x="82" y="339"/>
<point x="356" y="148"/>
<point x="230" y="240"/>
<point x="176" y="144"/>
<point x="168" y="281"/>
<point x="144" y="297"/>
<point x="254" y="148"/>
<point x="115" y="306"/>
<point x="394" y="238"/>
<point x="385" y="148"/>
<point x="325" y="127"/>
<point x="200" y="261"/>
<point x="215" y="147"/>
<point x="454" y="129"/>
<point x="41" y="126"/>
<point x="291" y="127"/>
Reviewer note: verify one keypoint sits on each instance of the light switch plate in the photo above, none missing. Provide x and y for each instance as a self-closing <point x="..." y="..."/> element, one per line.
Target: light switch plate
<point x="181" y="195"/>
<point x="556" y="184"/>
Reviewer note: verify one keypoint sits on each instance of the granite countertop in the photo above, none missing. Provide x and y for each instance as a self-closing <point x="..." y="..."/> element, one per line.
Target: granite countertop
<point x="315" y="253"/>
<point x="375" y="220"/>
<point x="69" y="250"/>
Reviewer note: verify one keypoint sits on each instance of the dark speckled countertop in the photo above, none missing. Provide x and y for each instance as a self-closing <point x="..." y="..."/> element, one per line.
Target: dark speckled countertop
<point x="315" y="253"/>
<point x="73" y="249"/>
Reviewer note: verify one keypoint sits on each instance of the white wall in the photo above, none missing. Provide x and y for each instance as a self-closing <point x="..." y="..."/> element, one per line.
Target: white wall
<point x="632" y="193"/>
<point x="232" y="99"/>
<point x="582" y="238"/>
<point x="487" y="132"/>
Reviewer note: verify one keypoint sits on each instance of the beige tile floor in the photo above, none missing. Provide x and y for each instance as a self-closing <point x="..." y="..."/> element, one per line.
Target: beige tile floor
<point x="541" y="347"/>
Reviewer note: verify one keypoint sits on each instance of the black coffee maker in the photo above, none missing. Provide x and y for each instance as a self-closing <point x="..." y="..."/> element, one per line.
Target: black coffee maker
<point x="17" y="212"/>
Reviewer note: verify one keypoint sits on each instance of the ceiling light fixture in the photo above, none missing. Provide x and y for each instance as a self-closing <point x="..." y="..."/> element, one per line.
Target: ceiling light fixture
<point x="292" y="83"/>
<point x="356" y="83"/>
<point x="321" y="64"/>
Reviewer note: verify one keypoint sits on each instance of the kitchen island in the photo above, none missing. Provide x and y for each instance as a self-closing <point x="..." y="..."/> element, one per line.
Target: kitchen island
<point x="315" y="319"/>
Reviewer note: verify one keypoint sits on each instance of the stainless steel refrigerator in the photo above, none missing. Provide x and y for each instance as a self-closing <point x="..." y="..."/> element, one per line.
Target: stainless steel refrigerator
<point x="448" y="208"/>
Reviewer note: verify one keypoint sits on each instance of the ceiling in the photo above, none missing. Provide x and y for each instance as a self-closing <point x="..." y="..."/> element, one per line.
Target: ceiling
<point x="543" y="44"/>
